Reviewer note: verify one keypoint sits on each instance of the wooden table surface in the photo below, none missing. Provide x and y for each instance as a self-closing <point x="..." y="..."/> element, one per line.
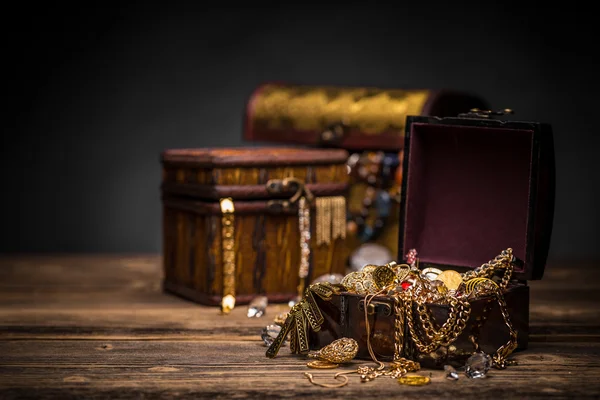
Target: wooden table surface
<point x="100" y="327"/>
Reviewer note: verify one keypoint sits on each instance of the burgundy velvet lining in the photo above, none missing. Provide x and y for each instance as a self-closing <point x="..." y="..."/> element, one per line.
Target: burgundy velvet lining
<point x="467" y="193"/>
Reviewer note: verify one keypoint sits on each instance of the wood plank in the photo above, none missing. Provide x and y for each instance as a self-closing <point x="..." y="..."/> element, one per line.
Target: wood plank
<point x="101" y="293"/>
<point x="226" y="369"/>
<point x="81" y="326"/>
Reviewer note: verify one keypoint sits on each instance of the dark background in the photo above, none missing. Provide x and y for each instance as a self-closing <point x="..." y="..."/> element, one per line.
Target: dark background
<point x="96" y="93"/>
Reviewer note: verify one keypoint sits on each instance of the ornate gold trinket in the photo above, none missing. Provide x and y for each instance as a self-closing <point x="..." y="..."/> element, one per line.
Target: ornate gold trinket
<point x="280" y="318"/>
<point x="338" y="352"/>
<point x="360" y="282"/>
<point x="368" y="268"/>
<point x="383" y="276"/>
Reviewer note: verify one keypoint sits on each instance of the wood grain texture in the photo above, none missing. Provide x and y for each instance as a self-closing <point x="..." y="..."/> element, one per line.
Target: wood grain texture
<point x="259" y="269"/>
<point x="100" y="327"/>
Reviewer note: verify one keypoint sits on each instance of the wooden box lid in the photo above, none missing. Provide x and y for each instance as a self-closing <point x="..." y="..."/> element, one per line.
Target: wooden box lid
<point x="252" y="157"/>
<point x="248" y="173"/>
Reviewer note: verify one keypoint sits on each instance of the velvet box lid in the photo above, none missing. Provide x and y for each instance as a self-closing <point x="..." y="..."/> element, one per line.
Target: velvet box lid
<point x="474" y="186"/>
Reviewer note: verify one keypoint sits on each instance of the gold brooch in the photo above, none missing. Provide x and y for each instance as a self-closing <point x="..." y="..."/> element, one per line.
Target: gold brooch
<point x="339" y="351"/>
<point x="360" y="282"/>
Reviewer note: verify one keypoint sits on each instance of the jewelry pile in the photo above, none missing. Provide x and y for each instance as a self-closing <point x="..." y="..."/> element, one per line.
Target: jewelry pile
<point x="413" y="292"/>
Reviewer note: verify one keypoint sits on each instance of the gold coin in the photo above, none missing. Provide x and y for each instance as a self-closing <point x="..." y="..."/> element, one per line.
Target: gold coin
<point x="320" y="364"/>
<point x="414" y="380"/>
<point x="451" y="279"/>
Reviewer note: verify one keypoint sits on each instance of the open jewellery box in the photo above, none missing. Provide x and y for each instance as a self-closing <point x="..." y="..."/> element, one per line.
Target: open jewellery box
<point x="474" y="186"/>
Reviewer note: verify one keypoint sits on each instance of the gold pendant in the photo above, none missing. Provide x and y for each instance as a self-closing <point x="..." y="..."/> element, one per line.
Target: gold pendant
<point x="383" y="276"/>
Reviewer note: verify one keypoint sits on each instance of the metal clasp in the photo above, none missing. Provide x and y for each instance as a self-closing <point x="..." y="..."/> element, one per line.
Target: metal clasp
<point x="375" y="307"/>
<point x="226" y="205"/>
<point x="281" y="186"/>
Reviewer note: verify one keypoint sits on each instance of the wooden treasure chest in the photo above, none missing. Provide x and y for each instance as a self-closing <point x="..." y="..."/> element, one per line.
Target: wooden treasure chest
<point x="476" y="218"/>
<point x="370" y="124"/>
<point x="242" y="222"/>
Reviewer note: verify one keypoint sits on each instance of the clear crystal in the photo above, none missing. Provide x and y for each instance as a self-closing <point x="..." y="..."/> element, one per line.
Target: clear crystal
<point x="478" y="365"/>
<point x="331" y="278"/>
<point x="269" y="333"/>
<point x="257" y="307"/>
<point x="451" y="373"/>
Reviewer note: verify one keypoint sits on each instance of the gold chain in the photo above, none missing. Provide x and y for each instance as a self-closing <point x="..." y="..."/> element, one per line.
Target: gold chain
<point x="398" y="329"/>
<point x="460" y="310"/>
<point x="458" y="315"/>
<point x="505" y="350"/>
<point x="475" y="330"/>
<point x="227" y="243"/>
<point x="487" y="270"/>
<point x="304" y="228"/>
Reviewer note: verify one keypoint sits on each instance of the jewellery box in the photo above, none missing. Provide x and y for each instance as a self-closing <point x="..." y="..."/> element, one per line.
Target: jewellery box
<point x="241" y="222"/>
<point x="370" y="124"/>
<point x="473" y="186"/>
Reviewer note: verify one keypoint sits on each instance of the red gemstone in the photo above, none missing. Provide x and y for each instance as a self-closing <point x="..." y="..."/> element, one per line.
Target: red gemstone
<point x="405" y="285"/>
